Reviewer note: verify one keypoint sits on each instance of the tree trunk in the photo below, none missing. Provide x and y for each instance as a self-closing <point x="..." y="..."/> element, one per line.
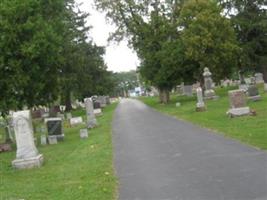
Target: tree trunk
<point x="164" y="96"/>
<point x="264" y="72"/>
<point x="68" y="101"/>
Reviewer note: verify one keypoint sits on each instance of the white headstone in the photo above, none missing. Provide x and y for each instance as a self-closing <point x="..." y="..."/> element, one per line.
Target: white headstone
<point x="76" y="120"/>
<point x="259" y="78"/>
<point x="52" y="139"/>
<point x="200" y="102"/>
<point x="27" y="154"/>
<point x="98" y="111"/>
<point x="83" y="133"/>
<point x="43" y="140"/>
<point x="238" y="103"/>
<point x="209" y="93"/>
<point x="91" y="120"/>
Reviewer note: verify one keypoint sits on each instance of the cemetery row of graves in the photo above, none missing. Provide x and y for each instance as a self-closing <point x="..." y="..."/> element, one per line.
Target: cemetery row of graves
<point x="52" y="150"/>
<point x="235" y="108"/>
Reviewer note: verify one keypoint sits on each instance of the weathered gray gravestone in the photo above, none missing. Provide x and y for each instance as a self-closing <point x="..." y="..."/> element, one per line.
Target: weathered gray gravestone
<point x="209" y="93"/>
<point x="188" y="90"/>
<point x="259" y="78"/>
<point x="91" y="120"/>
<point x="238" y="103"/>
<point x="253" y="92"/>
<point x="27" y="155"/>
<point x="200" y="103"/>
<point x="83" y="133"/>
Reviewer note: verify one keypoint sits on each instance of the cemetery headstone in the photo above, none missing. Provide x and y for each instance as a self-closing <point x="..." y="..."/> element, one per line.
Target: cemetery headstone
<point x="238" y="105"/>
<point x="265" y="87"/>
<point x="98" y="112"/>
<point x="83" y="133"/>
<point x="178" y="104"/>
<point x="91" y="120"/>
<point x="209" y="93"/>
<point x="54" y="127"/>
<point x="76" y="120"/>
<point x="52" y="139"/>
<point x="43" y="140"/>
<point x="259" y="78"/>
<point x="188" y="90"/>
<point x="27" y="155"/>
<point x="107" y="100"/>
<point x="253" y="92"/>
<point x="200" y="103"/>
<point x="97" y="104"/>
<point x="69" y="116"/>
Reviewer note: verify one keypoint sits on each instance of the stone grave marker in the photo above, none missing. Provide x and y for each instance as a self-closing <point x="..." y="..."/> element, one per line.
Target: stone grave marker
<point x="69" y="116"/>
<point x="91" y="120"/>
<point x="76" y="120"/>
<point x="27" y="155"/>
<point x="200" y="103"/>
<point x="259" y="78"/>
<point x="98" y="112"/>
<point x="253" y="92"/>
<point x="209" y="93"/>
<point x="55" y="128"/>
<point x="238" y="105"/>
<point x="52" y="139"/>
<point x="43" y="140"/>
<point x="188" y="90"/>
<point x="83" y="133"/>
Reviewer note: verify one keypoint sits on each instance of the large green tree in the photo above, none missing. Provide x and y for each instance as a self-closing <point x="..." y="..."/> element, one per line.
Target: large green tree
<point x="249" y="19"/>
<point x="151" y="29"/>
<point x="208" y="38"/>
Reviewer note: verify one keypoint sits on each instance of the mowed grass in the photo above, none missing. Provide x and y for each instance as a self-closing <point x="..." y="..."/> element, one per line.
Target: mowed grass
<point x="73" y="169"/>
<point x="251" y="130"/>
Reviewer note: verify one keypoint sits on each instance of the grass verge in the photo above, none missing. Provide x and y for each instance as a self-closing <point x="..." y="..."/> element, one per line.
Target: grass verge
<point x="73" y="169"/>
<point x="251" y="130"/>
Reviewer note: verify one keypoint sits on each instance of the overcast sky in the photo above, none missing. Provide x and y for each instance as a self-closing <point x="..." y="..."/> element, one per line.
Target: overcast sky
<point x="118" y="57"/>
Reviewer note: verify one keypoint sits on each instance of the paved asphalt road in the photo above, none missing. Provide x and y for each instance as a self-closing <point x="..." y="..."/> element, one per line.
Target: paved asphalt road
<point x="160" y="158"/>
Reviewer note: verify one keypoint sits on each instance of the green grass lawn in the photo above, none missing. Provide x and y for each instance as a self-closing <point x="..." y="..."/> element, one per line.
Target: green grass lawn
<point x="251" y="130"/>
<point x="73" y="169"/>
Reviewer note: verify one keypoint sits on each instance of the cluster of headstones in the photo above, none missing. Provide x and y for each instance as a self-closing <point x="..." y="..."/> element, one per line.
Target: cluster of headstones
<point x="27" y="155"/>
<point x="237" y="98"/>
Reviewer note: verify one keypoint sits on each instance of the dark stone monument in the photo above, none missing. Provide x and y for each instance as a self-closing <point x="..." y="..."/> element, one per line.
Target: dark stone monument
<point x="54" y="128"/>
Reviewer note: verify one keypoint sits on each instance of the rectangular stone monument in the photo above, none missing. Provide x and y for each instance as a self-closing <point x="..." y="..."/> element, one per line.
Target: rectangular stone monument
<point x="97" y="104"/>
<point x="52" y="139"/>
<point x="98" y="112"/>
<point x="83" y="133"/>
<point x="43" y="140"/>
<point x="27" y="155"/>
<point x="238" y="103"/>
<point x="91" y="120"/>
<point x="76" y="121"/>
<point x="259" y="78"/>
<point x="54" y="127"/>
<point x="253" y="93"/>
<point x="188" y="90"/>
<point x="68" y="116"/>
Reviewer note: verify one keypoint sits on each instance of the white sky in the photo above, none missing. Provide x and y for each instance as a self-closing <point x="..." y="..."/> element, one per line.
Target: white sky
<point x="118" y="56"/>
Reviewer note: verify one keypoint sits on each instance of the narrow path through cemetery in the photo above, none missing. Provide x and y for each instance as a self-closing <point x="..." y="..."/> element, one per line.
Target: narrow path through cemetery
<point x="158" y="157"/>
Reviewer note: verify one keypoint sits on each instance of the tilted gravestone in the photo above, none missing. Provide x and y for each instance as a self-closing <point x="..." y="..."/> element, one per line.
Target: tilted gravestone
<point x="91" y="120"/>
<point x="55" y="128"/>
<point x="27" y="155"/>
<point x="238" y="104"/>
<point x="200" y="103"/>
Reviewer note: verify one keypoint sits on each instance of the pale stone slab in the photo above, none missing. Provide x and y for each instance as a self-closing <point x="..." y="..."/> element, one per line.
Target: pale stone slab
<point x="76" y="120"/>
<point x="98" y="112"/>
<point x="43" y="140"/>
<point x="52" y="139"/>
<point x="200" y="102"/>
<point x="27" y="163"/>
<point x="178" y="104"/>
<point x="236" y="112"/>
<point x="83" y="133"/>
